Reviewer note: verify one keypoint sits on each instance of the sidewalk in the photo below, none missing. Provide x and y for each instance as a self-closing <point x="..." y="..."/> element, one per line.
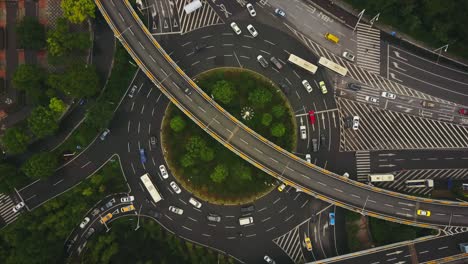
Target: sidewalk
<point x="348" y="15"/>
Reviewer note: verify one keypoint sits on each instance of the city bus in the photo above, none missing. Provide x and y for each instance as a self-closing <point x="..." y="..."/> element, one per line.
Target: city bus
<point x="302" y="63"/>
<point x="333" y="66"/>
<point x="423" y="183"/>
<point x="153" y="191"/>
<point x="382" y="177"/>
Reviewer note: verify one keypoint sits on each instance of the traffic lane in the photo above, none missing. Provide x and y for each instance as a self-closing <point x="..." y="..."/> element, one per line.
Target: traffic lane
<point x="399" y="254"/>
<point x="441" y="247"/>
<point x="438" y="89"/>
<point x="153" y="70"/>
<point x="428" y="66"/>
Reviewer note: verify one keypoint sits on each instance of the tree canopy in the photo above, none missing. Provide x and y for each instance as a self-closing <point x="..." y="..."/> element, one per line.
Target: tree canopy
<point x="15" y="140"/>
<point x="260" y="96"/>
<point x="220" y="173"/>
<point x="42" y="122"/>
<point x="41" y="165"/>
<point x="223" y="91"/>
<point x="30" y="78"/>
<point x="61" y="41"/>
<point x="177" y="123"/>
<point x="76" y="11"/>
<point x="31" y="33"/>
<point x="79" y="81"/>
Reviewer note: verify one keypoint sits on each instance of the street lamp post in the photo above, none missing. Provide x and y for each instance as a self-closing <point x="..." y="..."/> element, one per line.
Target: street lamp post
<point x="107" y="228"/>
<point x="444" y="48"/>
<point x="359" y="19"/>
<point x="138" y="219"/>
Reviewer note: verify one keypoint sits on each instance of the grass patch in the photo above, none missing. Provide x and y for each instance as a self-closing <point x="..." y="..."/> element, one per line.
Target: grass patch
<point x="38" y="236"/>
<point x="352" y="229"/>
<point x="122" y="244"/>
<point x="207" y="168"/>
<point x="384" y="232"/>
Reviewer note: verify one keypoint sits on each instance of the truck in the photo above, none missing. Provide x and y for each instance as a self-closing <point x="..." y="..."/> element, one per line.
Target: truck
<point x="192" y="6"/>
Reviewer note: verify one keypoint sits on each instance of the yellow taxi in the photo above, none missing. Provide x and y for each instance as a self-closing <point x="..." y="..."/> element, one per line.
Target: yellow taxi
<point x="424" y="212"/>
<point x="106" y="218"/>
<point x="308" y="243"/>
<point x="127" y="208"/>
<point x="281" y="187"/>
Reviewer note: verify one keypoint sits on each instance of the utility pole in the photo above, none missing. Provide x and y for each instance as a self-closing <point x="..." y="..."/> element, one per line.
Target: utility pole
<point x="138" y="219"/>
<point x="359" y="19"/>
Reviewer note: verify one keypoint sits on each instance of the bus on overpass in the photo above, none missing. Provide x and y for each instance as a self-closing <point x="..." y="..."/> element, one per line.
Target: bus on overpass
<point x="153" y="191"/>
<point x="302" y="63"/>
<point x="333" y="66"/>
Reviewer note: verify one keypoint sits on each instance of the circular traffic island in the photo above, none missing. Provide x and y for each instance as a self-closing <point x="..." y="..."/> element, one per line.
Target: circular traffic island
<point x="204" y="166"/>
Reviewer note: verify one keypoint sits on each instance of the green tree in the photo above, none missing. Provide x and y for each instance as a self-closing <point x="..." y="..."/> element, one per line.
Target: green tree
<point x="41" y="165"/>
<point x="278" y="130"/>
<point x="223" y="91"/>
<point x="57" y="105"/>
<point x="220" y="173"/>
<point x="266" y="119"/>
<point x="99" y="115"/>
<point x="10" y="177"/>
<point x="76" y="11"/>
<point x="42" y="122"/>
<point x="31" y="33"/>
<point x="177" y="123"/>
<point x="242" y="171"/>
<point x="81" y="80"/>
<point x="15" y="140"/>
<point x="207" y="154"/>
<point x="187" y="160"/>
<point x="278" y="111"/>
<point x="30" y="78"/>
<point x="61" y="41"/>
<point x="194" y="145"/>
<point x="260" y="96"/>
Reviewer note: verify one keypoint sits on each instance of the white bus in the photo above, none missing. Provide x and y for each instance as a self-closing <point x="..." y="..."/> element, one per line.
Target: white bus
<point x="192" y="6"/>
<point x="423" y="183"/>
<point x="153" y="191"/>
<point x="302" y="63"/>
<point x="382" y="177"/>
<point x="333" y="66"/>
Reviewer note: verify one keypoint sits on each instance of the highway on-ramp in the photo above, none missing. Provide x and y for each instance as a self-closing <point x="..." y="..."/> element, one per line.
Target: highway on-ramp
<point x="160" y="69"/>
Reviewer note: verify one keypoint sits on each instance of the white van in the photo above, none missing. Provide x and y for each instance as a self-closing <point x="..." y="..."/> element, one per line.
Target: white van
<point x="245" y="221"/>
<point x="192" y="6"/>
<point x="424" y="183"/>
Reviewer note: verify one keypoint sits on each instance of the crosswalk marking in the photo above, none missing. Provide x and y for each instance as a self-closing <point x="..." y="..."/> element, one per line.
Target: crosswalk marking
<point x="6" y="212"/>
<point x="368" y="48"/>
<point x="363" y="75"/>
<point x="384" y="130"/>
<point x="290" y="243"/>
<point x="362" y="165"/>
<point x="203" y="17"/>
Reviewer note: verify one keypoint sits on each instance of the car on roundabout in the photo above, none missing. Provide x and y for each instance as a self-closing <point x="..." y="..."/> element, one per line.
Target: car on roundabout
<point x="252" y="30"/>
<point x="176" y="210"/>
<point x="262" y="61"/>
<point x="127" y="208"/>
<point x="281" y="187"/>
<point x="280" y="12"/>
<point x="195" y="202"/>
<point x="175" y="187"/>
<point x="323" y="87"/>
<point x="307" y="86"/>
<point x="251" y="10"/>
<point x="269" y="260"/>
<point x="308" y="243"/>
<point x="18" y="207"/>
<point x="84" y="222"/>
<point x="312" y="117"/>
<point x="163" y="171"/>
<point x="236" y="28"/>
<point x="127" y="199"/>
<point x="423" y="212"/>
<point x="331" y="217"/>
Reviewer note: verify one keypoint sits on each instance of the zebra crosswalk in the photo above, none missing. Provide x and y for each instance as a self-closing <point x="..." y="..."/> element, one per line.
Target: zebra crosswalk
<point x="6" y="212"/>
<point x="203" y="17"/>
<point x="381" y="129"/>
<point x="368" y="48"/>
<point x="290" y="243"/>
<point x="362" y="165"/>
<point x="363" y="75"/>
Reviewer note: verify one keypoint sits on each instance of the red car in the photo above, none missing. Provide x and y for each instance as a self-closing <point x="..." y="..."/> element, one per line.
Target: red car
<point x="463" y="111"/>
<point x="312" y="116"/>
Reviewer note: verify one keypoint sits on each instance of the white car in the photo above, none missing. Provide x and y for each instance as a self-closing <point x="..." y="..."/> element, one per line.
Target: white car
<point x="308" y="158"/>
<point x="251" y="10"/>
<point x="18" y="207"/>
<point x="348" y="56"/>
<point x="176" y="210"/>
<point x="388" y="95"/>
<point x="372" y="99"/>
<point x="355" y="122"/>
<point x="194" y="202"/>
<point x="127" y="199"/>
<point x="132" y="91"/>
<point x="268" y="260"/>
<point x="236" y="28"/>
<point x="252" y="30"/>
<point x="303" y="132"/>
<point x="163" y="171"/>
<point x="175" y="187"/>
<point x="85" y="222"/>
<point x="307" y="86"/>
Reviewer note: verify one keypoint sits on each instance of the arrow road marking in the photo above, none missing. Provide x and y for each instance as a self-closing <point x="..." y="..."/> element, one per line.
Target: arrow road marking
<point x="394" y="77"/>
<point x="397" y="54"/>
<point x="396" y="66"/>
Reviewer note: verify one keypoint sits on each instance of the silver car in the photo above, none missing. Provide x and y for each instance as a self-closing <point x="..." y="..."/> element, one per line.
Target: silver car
<point x="175" y="187"/>
<point x="176" y="210"/>
<point x="262" y="61"/>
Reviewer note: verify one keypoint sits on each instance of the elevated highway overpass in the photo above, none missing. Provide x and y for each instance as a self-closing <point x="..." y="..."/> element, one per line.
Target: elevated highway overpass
<point x="292" y="170"/>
